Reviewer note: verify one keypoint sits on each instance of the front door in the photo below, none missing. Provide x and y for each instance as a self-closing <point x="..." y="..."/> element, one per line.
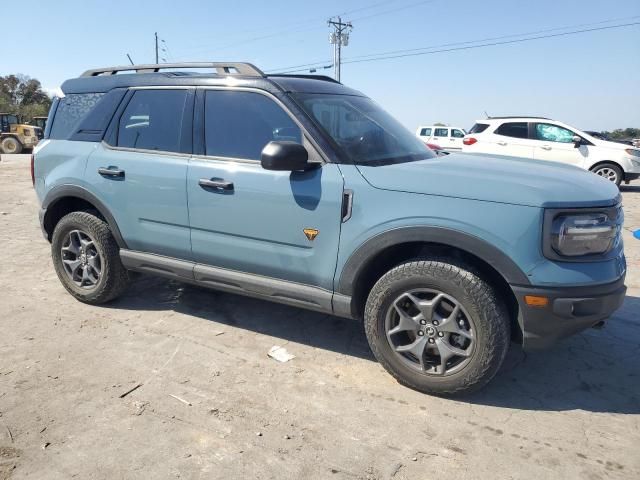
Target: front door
<point x="455" y="141"/>
<point x="555" y="143"/>
<point x="252" y="220"/>
<point x="140" y="171"/>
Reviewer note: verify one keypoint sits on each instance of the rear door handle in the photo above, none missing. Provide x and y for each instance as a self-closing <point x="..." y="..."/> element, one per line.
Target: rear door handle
<point x="216" y="183"/>
<point x="111" y="172"/>
<point x="502" y="143"/>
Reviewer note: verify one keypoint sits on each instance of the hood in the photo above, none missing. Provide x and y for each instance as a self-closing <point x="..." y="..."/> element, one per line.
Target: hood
<point x="612" y="145"/>
<point x="496" y="179"/>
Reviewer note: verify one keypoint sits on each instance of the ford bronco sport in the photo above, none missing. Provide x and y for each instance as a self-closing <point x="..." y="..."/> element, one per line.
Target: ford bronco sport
<point x="303" y="191"/>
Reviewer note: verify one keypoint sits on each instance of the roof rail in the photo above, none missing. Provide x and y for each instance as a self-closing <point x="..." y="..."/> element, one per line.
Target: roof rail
<point x="222" y="68"/>
<point x="518" y="116"/>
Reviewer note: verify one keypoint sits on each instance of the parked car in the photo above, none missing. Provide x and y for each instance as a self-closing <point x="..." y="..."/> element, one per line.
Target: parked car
<point x="448" y="138"/>
<point x="438" y="150"/>
<point x="303" y="191"/>
<point x="545" y="139"/>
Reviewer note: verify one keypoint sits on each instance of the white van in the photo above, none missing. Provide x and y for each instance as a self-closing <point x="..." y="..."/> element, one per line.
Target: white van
<point x="449" y="138"/>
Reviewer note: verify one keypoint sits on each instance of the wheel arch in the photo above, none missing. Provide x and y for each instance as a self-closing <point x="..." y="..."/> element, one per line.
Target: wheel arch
<point x="602" y="162"/>
<point x="388" y="249"/>
<point x="65" y="199"/>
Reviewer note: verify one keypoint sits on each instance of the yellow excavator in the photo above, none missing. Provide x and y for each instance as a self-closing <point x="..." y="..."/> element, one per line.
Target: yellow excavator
<point x="16" y="137"/>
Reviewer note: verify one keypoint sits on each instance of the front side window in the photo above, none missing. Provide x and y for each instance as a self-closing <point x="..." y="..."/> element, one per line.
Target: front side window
<point x="240" y="124"/>
<point x="457" y="133"/>
<point x="513" y="129"/>
<point x="441" y="132"/>
<point x="363" y="132"/>
<point x="153" y="120"/>
<point x="425" y="132"/>
<point x="553" y="133"/>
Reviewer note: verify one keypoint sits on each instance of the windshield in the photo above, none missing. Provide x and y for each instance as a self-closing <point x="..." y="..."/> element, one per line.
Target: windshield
<point x="365" y="134"/>
<point x="12" y="119"/>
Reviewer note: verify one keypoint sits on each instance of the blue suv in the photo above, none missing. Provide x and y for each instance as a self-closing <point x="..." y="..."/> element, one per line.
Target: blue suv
<point x="300" y="190"/>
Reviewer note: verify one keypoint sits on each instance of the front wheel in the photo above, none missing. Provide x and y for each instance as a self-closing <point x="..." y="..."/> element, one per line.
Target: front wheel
<point x="437" y="327"/>
<point x="11" y="145"/>
<point x="610" y="171"/>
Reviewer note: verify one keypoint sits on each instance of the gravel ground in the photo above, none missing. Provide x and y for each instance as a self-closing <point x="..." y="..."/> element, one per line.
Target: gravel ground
<point x="211" y="404"/>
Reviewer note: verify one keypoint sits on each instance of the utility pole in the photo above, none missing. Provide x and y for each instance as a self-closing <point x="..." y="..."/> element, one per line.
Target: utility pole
<point x="156" y="48"/>
<point x="338" y="38"/>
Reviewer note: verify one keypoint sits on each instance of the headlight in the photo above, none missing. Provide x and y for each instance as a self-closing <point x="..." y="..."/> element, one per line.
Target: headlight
<point x="633" y="152"/>
<point x="586" y="235"/>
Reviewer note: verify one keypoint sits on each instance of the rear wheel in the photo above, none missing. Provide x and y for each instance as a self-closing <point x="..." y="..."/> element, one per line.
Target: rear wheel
<point x="437" y="326"/>
<point x="11" y="145"/>
<point x="610" y="171"/>
<point x="86" y="258"/>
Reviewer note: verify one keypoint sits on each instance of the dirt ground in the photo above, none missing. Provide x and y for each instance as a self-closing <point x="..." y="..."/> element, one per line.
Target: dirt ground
<point x="211" y="404"/>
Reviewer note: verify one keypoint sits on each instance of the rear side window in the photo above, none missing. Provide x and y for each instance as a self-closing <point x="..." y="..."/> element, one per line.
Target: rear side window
<point x="479" y="128"/>
<point x="71" y="110"/>
<point x="425" y="132"/>
<point x="441" y="132"/>
<point x="457" y="133"/>
<point x="513" y="129"/>
<point x="240" y="124"/>
<point x="153" y="120"/>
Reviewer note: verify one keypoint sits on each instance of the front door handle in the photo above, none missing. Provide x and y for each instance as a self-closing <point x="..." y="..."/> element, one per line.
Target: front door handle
<point x="217" y="183"/>
<point x="111" y="172"/>
<point x="502" y="143"/>
<point x="545" y="147"/>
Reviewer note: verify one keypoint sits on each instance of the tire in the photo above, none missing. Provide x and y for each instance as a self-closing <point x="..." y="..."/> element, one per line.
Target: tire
<point x="610" y="171"/>
<point x="11" y="145"/>
<point x="481" y="320"/>
<point x="83" y="242"/>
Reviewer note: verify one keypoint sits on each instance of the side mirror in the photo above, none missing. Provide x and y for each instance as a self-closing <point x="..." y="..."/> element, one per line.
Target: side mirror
<point x="577" y="141"/>
<point x="287" y="156"/>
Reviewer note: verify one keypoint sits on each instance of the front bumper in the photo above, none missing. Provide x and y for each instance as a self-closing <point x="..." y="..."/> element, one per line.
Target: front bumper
<point x="570" y="310"/>
<point x="631" y="176"/>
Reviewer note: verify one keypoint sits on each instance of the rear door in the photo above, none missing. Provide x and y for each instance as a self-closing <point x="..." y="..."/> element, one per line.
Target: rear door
<point x="555" y="143"/>
<point x="139" y="171"/>
<point x="441" y="137"/>
<point x="512" y="139"/>
<point x="255" y="221"/>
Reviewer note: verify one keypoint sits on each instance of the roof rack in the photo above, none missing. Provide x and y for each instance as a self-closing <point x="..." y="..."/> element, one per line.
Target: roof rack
<point x="518" y="116"/>
<point x="222" y="68"/>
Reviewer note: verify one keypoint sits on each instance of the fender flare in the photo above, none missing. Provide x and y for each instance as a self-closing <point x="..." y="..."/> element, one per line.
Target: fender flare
<point x="61" y="192"/>
<point x="476" y="246"/>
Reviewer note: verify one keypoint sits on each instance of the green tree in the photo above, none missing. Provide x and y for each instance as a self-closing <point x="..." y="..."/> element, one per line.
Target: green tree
<point x="22" y="95"/>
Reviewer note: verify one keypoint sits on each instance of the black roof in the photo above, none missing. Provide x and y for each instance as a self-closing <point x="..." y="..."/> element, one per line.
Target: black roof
<point x="232" y="74"/>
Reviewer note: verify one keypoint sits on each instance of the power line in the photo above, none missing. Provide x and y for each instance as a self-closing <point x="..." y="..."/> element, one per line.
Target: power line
<point x="506" y="42"/>
<point x="296" y="27"/>
<point x="420" y="51"/>
<point x="393" y="10"/>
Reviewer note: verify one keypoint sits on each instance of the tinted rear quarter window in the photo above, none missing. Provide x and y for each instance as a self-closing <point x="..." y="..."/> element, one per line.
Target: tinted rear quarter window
<point x="479" y="128"/>
<point x="153" y="120"/>
<point x="513" y="129"/>
<point x="425" y="132"/>
<point x="457" y="133"/>
<point x="71" y="110"/>
<point x="240" y="124"/>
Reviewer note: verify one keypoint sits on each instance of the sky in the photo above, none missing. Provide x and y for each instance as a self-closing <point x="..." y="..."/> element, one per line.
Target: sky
<point x="590" y="80"/>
